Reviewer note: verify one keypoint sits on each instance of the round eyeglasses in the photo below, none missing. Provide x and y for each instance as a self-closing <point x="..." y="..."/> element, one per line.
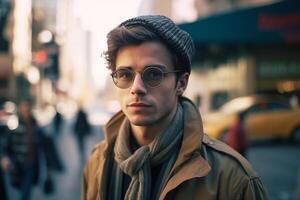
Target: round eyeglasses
<point x="151" y="76"/>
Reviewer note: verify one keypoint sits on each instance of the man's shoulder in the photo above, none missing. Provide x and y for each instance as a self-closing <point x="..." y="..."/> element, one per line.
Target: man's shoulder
<point x="217" y="151"/>
<point x="234" y="173"/>
<point x="97" y="152"/>
<point x="99" y="148"/>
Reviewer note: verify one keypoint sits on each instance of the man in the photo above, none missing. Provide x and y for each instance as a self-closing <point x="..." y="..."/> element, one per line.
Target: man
<point x="155" y="147"/>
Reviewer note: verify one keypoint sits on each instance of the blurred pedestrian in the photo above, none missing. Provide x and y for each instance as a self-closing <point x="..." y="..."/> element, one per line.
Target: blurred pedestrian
<point x="82" y="129"/>
<point x="2" y="186"/>
<point x="53" y="158"/>
<point x="155" y="148"/>
<point x="22" y="150"/>
<point x="57" y="123"/>
<point x="3" y="189"/>
<point x="237" y="137"/>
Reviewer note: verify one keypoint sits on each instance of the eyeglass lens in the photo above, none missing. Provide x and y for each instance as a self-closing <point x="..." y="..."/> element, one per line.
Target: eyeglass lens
<point x="151" y="76"/>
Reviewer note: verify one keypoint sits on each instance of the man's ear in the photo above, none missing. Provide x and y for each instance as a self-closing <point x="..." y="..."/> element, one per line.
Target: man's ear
<point x="182" y="83"/>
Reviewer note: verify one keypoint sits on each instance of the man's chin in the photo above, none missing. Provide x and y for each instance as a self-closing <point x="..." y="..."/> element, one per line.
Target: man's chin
<point x="142" y="121"/>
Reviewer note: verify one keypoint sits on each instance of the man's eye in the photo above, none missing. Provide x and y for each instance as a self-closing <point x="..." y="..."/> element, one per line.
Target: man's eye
<point x="124" y="75"/>
<point x="153" y="74"/>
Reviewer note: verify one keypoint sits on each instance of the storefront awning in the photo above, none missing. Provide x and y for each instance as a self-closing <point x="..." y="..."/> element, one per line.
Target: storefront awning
<point x="273" y="23"/>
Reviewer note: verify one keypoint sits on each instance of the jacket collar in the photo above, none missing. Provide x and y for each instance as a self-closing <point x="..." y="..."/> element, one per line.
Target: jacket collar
<point x="190" y="163"/>
<point x="193" y="131"/>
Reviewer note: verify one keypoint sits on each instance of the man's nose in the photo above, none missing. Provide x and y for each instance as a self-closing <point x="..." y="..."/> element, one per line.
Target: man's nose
<point x="138" y="86"/>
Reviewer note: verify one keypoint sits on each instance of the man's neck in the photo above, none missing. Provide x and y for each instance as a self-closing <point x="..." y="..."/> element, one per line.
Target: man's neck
<point x="144" y="135"/>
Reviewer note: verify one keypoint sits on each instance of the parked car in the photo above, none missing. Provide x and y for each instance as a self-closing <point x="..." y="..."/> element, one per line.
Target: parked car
<point x="267" y="117"/>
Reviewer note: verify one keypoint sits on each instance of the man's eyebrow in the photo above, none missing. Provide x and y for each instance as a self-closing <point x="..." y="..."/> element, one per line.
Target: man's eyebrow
<point x="123" y="67"/>
<point x="157" y="65"/>
<point x="163" y="67"/>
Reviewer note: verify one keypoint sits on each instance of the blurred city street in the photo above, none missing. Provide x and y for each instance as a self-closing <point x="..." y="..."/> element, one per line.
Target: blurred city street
<point x="277" y="163"/>
<point x="279" y="167"/>
<point x="244" y="80"/>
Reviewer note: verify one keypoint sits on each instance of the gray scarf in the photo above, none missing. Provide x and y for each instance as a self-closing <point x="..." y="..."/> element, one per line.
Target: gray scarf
<point x="138" y="164"/>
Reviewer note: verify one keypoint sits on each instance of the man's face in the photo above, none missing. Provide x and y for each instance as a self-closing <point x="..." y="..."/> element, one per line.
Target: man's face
<point x="143" y="105"/>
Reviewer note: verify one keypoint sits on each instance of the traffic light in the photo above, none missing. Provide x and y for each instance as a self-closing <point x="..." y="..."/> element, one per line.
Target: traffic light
<point x="47" y="59"/>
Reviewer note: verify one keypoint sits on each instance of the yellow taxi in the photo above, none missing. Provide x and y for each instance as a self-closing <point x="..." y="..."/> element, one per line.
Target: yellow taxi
<point x="267" y="117"/>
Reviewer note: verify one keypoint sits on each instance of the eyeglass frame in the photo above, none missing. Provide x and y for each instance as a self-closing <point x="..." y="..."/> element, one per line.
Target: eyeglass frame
<point x="143" y="71"/>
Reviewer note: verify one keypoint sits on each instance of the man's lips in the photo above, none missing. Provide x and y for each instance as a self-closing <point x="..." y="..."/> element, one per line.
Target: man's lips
<point x="138" y="105"/>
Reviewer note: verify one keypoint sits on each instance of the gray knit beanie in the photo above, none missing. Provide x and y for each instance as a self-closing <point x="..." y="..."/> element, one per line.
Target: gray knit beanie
<point x="177" y="39"/>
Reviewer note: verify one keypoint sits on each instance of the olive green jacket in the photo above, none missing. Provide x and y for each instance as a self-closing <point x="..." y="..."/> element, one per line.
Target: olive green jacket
<point x="205" y="168"/>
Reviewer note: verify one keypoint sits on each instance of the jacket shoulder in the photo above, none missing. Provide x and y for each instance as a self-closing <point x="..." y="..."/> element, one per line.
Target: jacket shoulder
<point x="224" y="151"/>
<point x="92" y="172"/>
<point x="98" y="149"/>
<point x="96" y="155"/>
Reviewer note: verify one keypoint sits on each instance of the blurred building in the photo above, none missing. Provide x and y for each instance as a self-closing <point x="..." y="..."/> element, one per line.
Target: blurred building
<point x="52" y="49"/>
<point x="75" y="42"/>
<point x="45" y="52"/>
<point x="81" y="33"/>
<point x="5" y="57"/>
<point x="15" y="53"/>
<point x="182" y="11"/>
<point x="245" y="51"/>
<point x="242" y="46"/>
<point x="29" y="54"/>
